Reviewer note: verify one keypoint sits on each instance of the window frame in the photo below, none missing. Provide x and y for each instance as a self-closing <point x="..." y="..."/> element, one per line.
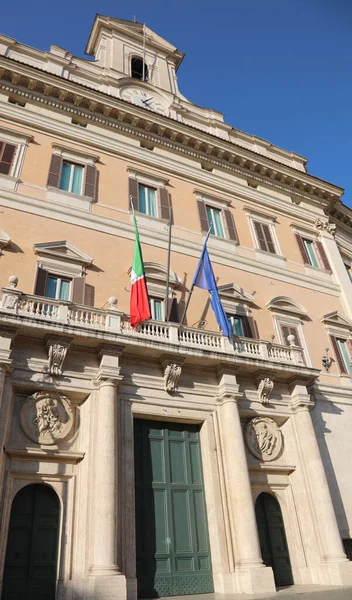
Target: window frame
<point x="205" y="202"/>
<point x="146" y="77"/>
<point x="281" y="320"/>
<point x="212" y="224"/>
<point x="83" y="173"/>
<point x="152" y="301"/>
<point x="60" y="279"/>
<point x="147" y="200"/>
<point x="21" y="140"/>
<point x="257" y="217"/>
<point x="245" y="325"/>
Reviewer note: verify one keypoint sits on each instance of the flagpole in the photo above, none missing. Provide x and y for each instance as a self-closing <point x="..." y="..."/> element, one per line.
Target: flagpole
<point x="168" y="268"/>
<point x="143" y="52"/>
<point x="192" y="286"/>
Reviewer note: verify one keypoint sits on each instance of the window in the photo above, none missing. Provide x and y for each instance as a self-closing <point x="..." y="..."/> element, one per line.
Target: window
<point x="342" y="353"/>
<point x="264" y="237"/>
<point x="149" y="196"/>
<point x="239" y="325"/>
<point x="7" y="155"/>
<point x="312" y="252"/>
<point x="139" y="69"/>
<point x="287" y="330"/>
<point x="157" y="309"/>
<point x="57" y="288"/>
<point x="147" y="200"/>
<point x="309" y="246"/>
<point x="214" y="220"/>
<point x="219" y="220"/>
<point x="71" y="178"/>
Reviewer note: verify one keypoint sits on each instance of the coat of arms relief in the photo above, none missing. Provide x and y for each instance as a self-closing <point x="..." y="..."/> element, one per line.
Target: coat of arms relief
<point x="47" y="417"/>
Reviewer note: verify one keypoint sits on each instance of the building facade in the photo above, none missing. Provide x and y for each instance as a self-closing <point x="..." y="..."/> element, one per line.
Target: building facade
<point x="166" y="460"/>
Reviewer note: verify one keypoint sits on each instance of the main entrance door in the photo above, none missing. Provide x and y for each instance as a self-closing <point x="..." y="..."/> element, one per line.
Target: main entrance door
<point x="272" y="538"/>
<point x="31" y="555"/>
<point x="173" y="554"/>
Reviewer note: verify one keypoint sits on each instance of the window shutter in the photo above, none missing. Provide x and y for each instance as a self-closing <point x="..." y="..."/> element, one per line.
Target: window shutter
<point x="230" y="224"/>
<point x="89" y="292"/>
<point x="7" y="153"/>
<point x="78" y="284"/>
<point x="165" y="204"/>
<point x="304" y="253"/>
<point x="269" y="239"/>
<point x="40" y="282"/>
<point x="133" y="194"/>
<point x="54" y="171"/>
<point x="340" y="360"/>
<point x="203" y="216"/>
<point x="260" y="235"/>
<point x="250" y="327"/>
<point x="90" y="186"/>
<point x="172" y="307"/>
<point x="324" y="259"/>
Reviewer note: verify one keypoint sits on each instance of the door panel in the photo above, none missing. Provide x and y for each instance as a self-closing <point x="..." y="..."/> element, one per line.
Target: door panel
<point x="173" y="554"/>
<point x="272" y="538"/>
<point x="31" y="556"/>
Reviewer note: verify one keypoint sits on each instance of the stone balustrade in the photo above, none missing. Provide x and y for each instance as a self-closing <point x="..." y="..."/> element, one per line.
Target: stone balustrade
<point x="35" y="308"/>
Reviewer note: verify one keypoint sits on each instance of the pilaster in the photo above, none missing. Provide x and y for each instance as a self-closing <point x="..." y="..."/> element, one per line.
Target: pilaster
<point x="337" y="266"/>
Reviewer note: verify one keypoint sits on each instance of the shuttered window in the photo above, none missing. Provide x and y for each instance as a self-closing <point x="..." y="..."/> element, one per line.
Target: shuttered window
<point x="264" y="237"/>
<point x="220" y="221"/>
<point x="149" y="200"/>
<point x="312" y="252"/>
<point x="239" y="325"/>
<point x="343" y="353"/>
<point x="54" y="286"/>
<point x="7" y="155"/>
<point x="73" y="178"/>
<point x="287" y="330"/>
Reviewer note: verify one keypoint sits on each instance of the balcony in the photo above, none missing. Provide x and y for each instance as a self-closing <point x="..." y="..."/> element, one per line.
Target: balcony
<point x="86" y="324"/>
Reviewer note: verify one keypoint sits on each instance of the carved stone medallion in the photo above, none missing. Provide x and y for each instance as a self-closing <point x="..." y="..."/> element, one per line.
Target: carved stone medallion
<point x="47" y="417"/>
<point x="263" y="438"/>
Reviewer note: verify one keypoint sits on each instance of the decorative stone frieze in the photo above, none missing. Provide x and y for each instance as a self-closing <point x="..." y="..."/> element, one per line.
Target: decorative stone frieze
<point x="47" y="417"/>
<point x="172" y="374"/>
<point x="263" y="438"/>
<point x="265" y="388"/>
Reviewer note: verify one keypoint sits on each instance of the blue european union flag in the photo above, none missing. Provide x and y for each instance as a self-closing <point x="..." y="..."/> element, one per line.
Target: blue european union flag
<point x="204" y="278"/>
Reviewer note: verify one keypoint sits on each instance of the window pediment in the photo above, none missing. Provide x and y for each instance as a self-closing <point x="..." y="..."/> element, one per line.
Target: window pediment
<point x="233" y="292"/>
<point x="156" y="275"/>
<point x="337" y="320"/>
<point x="64" y="251"/>
<point x="287" y="305"/>
<point x="4" y="239"/>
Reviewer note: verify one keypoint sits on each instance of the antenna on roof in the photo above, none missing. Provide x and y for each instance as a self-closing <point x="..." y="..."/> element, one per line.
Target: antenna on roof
<point x="143" y="51"/>
<point x="134" y="19"/>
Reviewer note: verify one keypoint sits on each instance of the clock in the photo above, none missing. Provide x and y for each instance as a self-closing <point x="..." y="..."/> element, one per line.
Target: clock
<point x="142" y="98"/>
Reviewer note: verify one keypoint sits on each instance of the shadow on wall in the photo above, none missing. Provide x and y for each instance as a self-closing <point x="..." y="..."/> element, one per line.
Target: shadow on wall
<point x="324" y="405"/>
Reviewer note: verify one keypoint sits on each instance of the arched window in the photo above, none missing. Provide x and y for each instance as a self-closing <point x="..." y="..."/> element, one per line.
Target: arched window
<point x="137" y="68"/>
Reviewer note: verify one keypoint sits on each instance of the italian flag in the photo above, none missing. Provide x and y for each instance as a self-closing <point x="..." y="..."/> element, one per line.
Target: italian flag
<point x="139" y="301"/>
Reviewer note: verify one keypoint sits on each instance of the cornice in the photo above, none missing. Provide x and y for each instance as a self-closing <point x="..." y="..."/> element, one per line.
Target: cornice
<point x="66" y="95"/>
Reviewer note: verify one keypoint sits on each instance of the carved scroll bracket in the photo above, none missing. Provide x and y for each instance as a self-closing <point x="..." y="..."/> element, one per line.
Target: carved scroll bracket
<point x="57" y="349"/>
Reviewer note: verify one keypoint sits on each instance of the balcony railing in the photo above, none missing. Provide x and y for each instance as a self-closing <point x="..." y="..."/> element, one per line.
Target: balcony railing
<point x="31" y="309"/>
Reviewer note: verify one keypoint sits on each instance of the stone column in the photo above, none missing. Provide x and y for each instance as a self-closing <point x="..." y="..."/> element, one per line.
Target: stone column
<point x="338" y="568"/>
<point x="318" y="485"/>
<point x="252" y="575"/>
<point x="105" y="480"/>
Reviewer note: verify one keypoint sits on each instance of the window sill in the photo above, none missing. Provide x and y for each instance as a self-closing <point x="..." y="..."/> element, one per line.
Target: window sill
<point x="150" y="222"/>
<point x="8" y="182"/>
<point x="218" y="242"/>
<point x="66" y="198"/>
<point x="317" y="271"/>
<point x="269" y="257"/>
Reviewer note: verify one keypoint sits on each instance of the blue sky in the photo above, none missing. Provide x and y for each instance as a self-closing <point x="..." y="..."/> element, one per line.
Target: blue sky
<point x="278" y="69"/>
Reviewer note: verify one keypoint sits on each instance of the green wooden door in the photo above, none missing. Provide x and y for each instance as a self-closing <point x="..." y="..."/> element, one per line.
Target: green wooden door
<point x="173" y="554"/>
<point x="272" y="538"/>
<point x="32" y="545"/>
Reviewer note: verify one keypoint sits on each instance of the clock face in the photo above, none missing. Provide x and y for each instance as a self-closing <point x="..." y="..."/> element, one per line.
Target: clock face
<point x="142" y="98"/>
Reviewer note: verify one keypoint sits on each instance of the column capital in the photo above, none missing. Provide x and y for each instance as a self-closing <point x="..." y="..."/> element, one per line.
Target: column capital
<point x="105" y="379"/>
<point x="227" y="384"/>
<point x="300" y="398"/>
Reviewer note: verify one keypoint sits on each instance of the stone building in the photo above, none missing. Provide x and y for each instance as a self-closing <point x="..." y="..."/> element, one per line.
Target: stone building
<point x="167" y="455"/>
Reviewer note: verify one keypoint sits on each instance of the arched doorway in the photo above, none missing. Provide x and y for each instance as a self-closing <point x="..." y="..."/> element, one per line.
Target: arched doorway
<point x="272" y="538"/>
<point x="32" y="545"/>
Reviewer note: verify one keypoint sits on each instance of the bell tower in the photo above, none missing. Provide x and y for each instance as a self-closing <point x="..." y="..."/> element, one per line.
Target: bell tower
<point x="127" y="49"/>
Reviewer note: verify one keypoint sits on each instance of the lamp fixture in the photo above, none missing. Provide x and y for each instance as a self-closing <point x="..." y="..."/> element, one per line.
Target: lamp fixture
<point x="326" y="361"/>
